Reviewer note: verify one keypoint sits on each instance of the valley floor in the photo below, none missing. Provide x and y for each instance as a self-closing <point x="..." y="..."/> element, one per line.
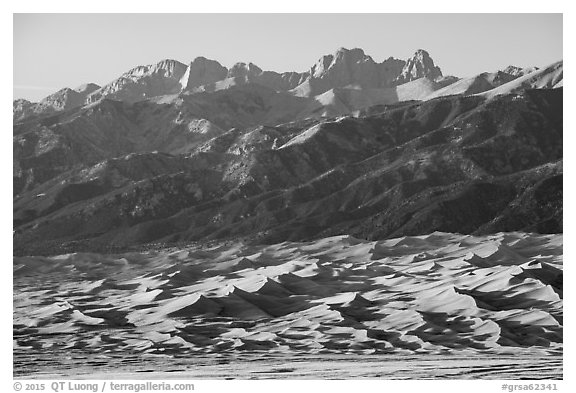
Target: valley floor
<point x="533" y="365"/>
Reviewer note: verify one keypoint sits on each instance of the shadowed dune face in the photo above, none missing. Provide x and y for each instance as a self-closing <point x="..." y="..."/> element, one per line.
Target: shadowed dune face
<point x="437" y="294"/>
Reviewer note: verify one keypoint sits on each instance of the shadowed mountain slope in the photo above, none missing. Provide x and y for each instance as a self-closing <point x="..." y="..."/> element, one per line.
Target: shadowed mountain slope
<point x="459" y="164"/>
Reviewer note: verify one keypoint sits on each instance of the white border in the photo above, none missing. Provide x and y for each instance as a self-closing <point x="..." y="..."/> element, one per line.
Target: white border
<point x="260" y="6"/>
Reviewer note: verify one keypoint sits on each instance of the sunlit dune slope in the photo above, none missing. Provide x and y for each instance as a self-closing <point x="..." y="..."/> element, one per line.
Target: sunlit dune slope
<point x="434" y="293"/>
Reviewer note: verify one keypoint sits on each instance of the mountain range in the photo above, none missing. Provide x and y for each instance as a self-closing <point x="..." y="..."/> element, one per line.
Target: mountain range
<point x="344" y="68"/>
<point x="176" y="153"/>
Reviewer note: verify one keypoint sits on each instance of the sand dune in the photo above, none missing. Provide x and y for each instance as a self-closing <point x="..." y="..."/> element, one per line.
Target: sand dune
<point x="424" y="294"/>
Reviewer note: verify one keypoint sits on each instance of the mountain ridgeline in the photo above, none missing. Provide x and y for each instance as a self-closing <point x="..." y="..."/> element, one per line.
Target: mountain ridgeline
<point x="171" y="153"/>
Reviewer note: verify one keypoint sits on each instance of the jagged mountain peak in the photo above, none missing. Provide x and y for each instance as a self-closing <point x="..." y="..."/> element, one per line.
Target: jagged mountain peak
<point x="518" y="71"/>
<point x="168" y="67"/>
<point x="204" y="61"/>
<point x="421" y="54"/>
<point x="512" y="69"/>
<point x="66" y="98"/>
<point x="202" y="71"/>
<point x="418" y="66"/>
<point x="201" y="59"/>
<point x="143" y="82"/>
<point x="86" y="88"/>
<point x="242" y="69"/>
<point x="341" y="58"/>
<point x="22" y="108"/>
<point x="20" y="101"/>
<point x="354" y="53"/>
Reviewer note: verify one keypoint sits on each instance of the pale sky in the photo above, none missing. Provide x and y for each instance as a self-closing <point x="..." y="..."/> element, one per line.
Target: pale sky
<point x="52" y="51"/>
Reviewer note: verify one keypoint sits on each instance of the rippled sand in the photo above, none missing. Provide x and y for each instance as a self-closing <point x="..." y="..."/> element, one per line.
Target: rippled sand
<point x="441" y="305"/>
